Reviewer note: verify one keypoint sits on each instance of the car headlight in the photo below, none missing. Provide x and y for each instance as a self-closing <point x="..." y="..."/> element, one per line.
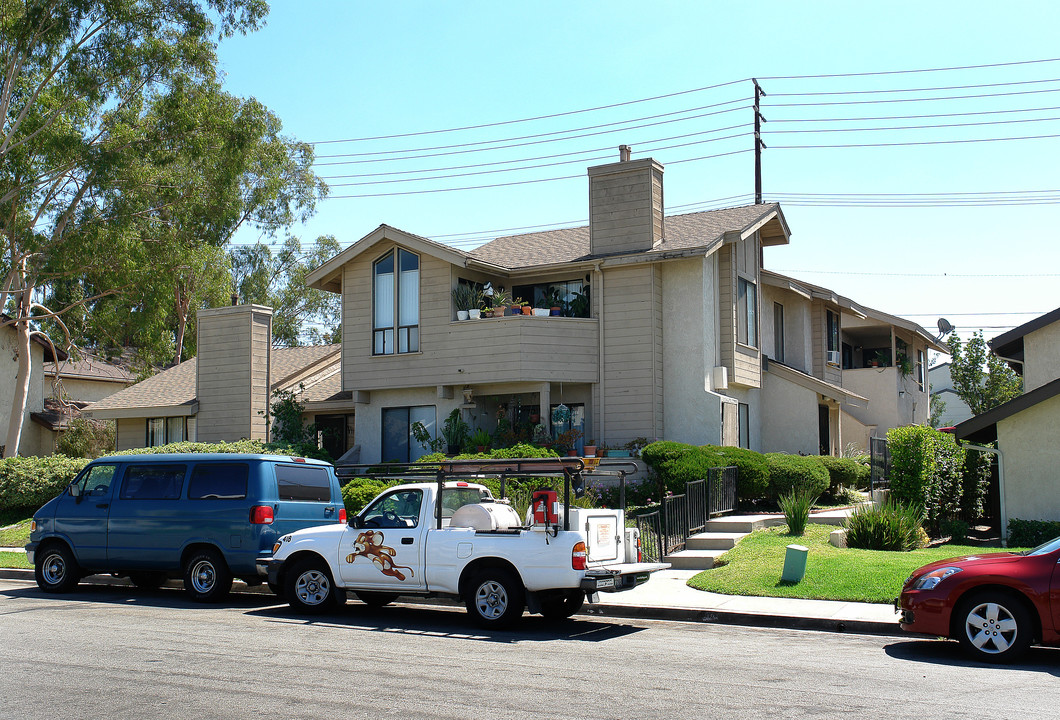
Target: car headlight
<point x="933" y="578"/>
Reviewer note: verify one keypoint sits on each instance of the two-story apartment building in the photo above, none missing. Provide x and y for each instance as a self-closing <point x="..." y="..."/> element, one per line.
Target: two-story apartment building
<point x="667" y="327"/>
<point x="1025" y="428"/>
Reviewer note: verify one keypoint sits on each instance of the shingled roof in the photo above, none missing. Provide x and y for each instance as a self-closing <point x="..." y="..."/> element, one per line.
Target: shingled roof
<point x="176" y="387"/>
<point x="680" y="232"/>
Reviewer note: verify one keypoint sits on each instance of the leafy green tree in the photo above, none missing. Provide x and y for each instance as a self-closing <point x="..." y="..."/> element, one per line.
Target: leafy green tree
<point x="980" y="378"/>
<point x="936" y="408"/>
<point x="277" y="279"/>
<point x="82" y="101"/>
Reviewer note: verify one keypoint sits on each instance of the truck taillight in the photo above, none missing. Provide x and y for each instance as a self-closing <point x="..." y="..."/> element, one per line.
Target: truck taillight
<point x="342" y="515"/>
<point x="261" y="515"/>
<point x="577" y="556"/>
<point x="640" y="554"/>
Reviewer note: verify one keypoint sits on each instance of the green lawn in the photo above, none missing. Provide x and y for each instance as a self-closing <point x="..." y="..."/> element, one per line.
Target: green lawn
<point x="16" y="534"/>
<point x="755" y="565"/>
<point x="14" y="560"/>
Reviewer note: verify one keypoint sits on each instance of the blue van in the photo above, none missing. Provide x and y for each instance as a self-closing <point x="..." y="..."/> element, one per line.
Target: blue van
<point x="205" y="517"/>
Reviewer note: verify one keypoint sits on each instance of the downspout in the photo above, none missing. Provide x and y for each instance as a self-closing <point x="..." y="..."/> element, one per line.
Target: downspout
<point x="1000" y="485"/>
<point x="598" y="422"/>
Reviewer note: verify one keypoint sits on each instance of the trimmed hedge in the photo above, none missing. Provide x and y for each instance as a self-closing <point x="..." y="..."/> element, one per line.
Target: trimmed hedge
<point x="1031" y="533"/>
<point x="26" y="483"/>
<point x="752" y="470"/>
<point x="360" y="491"/>
<point x="240" y="446"/>
<point x="799" y="473"/>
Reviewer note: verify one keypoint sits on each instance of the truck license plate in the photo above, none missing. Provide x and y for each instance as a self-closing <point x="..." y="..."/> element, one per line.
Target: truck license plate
<point x="608" y="582"/>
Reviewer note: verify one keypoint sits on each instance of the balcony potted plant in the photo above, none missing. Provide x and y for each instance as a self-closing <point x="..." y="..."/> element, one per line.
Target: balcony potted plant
<point x="465" y="298"/>
<point x="501" y="300"/>
<point x="554" y="301"/>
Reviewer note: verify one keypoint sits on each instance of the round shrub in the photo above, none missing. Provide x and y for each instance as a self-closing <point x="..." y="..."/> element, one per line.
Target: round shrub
<point x="676" y="464"/>
<point x="752" y="470"/>
<point x="842" y="472"/>
<point x="801" y="473"/>
<point x="360" y="491"/>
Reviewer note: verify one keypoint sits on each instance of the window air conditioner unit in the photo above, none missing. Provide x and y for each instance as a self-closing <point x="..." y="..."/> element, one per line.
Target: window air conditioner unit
<point x="832" y="357"/>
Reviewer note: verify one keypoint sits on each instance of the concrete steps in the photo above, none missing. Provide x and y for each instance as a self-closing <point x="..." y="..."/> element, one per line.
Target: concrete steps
<point x="722" y="534"/>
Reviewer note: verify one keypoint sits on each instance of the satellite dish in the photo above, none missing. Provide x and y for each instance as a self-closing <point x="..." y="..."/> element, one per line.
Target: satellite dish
<point x="944" y="327"/>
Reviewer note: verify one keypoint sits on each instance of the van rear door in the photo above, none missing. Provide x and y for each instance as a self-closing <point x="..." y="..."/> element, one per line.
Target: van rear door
<point x="305" y="497"/>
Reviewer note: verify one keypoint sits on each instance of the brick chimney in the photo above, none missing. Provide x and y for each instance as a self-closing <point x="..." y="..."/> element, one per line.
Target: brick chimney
<point x="233" y="373"/>
<point x="625" y="205"/>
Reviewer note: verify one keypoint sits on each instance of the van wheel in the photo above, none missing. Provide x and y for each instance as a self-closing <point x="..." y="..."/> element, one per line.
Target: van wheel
<point x="206" y="576"/>
<point x="495" y="598"/>
<point x="309" y="588"/>
<point x="376" y="599"/>
<point x="56" y="570"/>
<point x="147" y="580"/>
<point x="563" y="606"/>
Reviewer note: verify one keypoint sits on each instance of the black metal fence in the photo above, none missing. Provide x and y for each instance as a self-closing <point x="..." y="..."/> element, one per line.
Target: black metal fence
<point x="879" y="464"/>
<point x="667" y="529"/>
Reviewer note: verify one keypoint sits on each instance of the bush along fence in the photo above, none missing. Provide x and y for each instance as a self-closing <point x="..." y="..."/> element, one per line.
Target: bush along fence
<point x="667" y="529"/>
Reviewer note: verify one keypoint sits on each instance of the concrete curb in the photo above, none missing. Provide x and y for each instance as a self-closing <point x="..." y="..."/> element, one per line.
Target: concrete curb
<point x="637" y="612"/>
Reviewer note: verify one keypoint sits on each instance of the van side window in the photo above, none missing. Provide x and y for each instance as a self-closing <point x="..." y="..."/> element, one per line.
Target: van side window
<point x="302" y="482"/>
<point x="96" y="482"/>
<point x="219" y="481"/>
<point x="153" y="482"/>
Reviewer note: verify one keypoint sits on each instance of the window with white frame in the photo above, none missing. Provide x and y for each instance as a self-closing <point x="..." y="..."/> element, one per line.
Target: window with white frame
<point x="162" y="431"/>
<point x="747" y="312"/>
<point x="396" y="303"/>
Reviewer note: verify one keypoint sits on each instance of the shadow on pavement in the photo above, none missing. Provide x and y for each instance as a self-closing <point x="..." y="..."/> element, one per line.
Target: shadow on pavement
<point x="949" y="652"/>
<point x="414" y="618"/>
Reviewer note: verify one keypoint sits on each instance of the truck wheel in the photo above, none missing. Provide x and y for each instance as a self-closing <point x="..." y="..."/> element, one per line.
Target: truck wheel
<point x="562" y="607"/>
<point x="495" y="598"/>
<point x="277" y="590"/>
<point x="56" y="570"/>
<point x="206" y="576"/>
<point x="309" y="588"/>
<point x="376" y="599"/>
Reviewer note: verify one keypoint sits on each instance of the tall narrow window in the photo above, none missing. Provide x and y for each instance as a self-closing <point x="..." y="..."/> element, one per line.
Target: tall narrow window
<point x="833" y="331"/>
<point x="396" y="314"/>
<point x="747" y="313"/>
<point x="745" y="425"/>
<point x="778" y="332"/>
<point x="920" y="368"/>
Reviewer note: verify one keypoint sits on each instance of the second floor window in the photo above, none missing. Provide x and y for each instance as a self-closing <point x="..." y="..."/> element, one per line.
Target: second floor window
<point x="832" y="330"/>
<point x="747" y="313"/>
<point x="396" y="302"/>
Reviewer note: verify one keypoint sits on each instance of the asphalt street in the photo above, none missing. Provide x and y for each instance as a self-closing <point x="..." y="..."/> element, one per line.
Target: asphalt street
<point x="120" y="652"/>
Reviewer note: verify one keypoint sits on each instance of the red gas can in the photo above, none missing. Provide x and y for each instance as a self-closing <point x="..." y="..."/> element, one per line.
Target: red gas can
<point x="545" y="504"/>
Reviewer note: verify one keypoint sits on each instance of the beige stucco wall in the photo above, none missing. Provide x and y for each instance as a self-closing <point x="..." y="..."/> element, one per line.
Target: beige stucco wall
<point x="1041" y="353"/>
<point x="880" y="385"/>
<point x="691" y="408"/>
<point x="1031" y="456"/>
<point x="31" y="441"/>
<point x="854" y="432"/>
<point x="790" y="423"/>
<point x="797" y="327"/>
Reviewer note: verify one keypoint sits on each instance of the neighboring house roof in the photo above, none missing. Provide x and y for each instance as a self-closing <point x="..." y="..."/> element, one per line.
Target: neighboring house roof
<point x="816" y="291"/>
<point x="702" y="231"/>
<point x="173" y="391"/>
<point x="90" y="367"/>
<point x="829" y="390"/>
<point x="1009" y="345"/>
<point x="983" y="428"/>
<point x="57" y="415"/>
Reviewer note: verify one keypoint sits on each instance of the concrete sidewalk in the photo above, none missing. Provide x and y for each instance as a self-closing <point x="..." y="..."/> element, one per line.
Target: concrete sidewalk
<point x="667" y="597"/>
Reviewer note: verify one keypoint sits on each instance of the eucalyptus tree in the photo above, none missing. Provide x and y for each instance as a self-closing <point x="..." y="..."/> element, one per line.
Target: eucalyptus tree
<point x="80" y="82"/>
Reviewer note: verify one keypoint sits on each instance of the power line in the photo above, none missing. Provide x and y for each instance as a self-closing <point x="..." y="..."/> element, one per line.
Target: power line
<point x="914" y="127"/>
<point x="908" y="100"/>
<point x="924" y="142"/>
<point x="926" y="89"/>
<point x="1021" y="276"/>
<point x="904" y="72"/>
<point x="533" y="119"/>
<point x="912" y="117"/>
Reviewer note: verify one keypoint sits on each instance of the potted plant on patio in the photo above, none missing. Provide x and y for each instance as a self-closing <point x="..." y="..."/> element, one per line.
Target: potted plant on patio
<point x="465" y="297"/>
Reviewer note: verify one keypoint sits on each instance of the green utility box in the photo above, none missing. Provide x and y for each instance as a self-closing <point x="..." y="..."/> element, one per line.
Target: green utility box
<point x="794" y="563"/>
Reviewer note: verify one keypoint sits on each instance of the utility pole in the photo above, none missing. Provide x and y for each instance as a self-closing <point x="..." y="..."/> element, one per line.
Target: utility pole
<point x="759" y="145"/>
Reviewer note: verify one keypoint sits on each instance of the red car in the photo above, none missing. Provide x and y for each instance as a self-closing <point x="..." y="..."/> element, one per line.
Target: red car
<point x="996" y="605"/>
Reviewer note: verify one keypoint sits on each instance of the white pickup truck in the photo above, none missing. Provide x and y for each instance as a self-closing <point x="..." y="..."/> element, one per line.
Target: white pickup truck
<point x="470" y="546"/>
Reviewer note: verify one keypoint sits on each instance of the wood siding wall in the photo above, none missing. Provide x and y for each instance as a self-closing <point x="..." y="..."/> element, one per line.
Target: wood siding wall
<point x="631" y="395"/>
<point x="471" y="352"/>
<point x="233" y="373"/>
<point x="739" y="259"/>
<point x="130" y="433"/>
<point x="821" y="369"/>
<point x="625" y="207"/>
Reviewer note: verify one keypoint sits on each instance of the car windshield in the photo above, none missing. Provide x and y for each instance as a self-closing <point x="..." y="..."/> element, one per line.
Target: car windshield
<point x="1046" y="548"/>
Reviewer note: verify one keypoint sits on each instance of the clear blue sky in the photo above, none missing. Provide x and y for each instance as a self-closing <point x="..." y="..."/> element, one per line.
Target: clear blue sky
<point x="351" y="70"/>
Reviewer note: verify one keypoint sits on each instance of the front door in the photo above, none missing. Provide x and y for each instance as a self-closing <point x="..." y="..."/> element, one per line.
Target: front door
<point x="385" y="551"/>
<point x="823" y="430"/>
<point x="83" y="512"/>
